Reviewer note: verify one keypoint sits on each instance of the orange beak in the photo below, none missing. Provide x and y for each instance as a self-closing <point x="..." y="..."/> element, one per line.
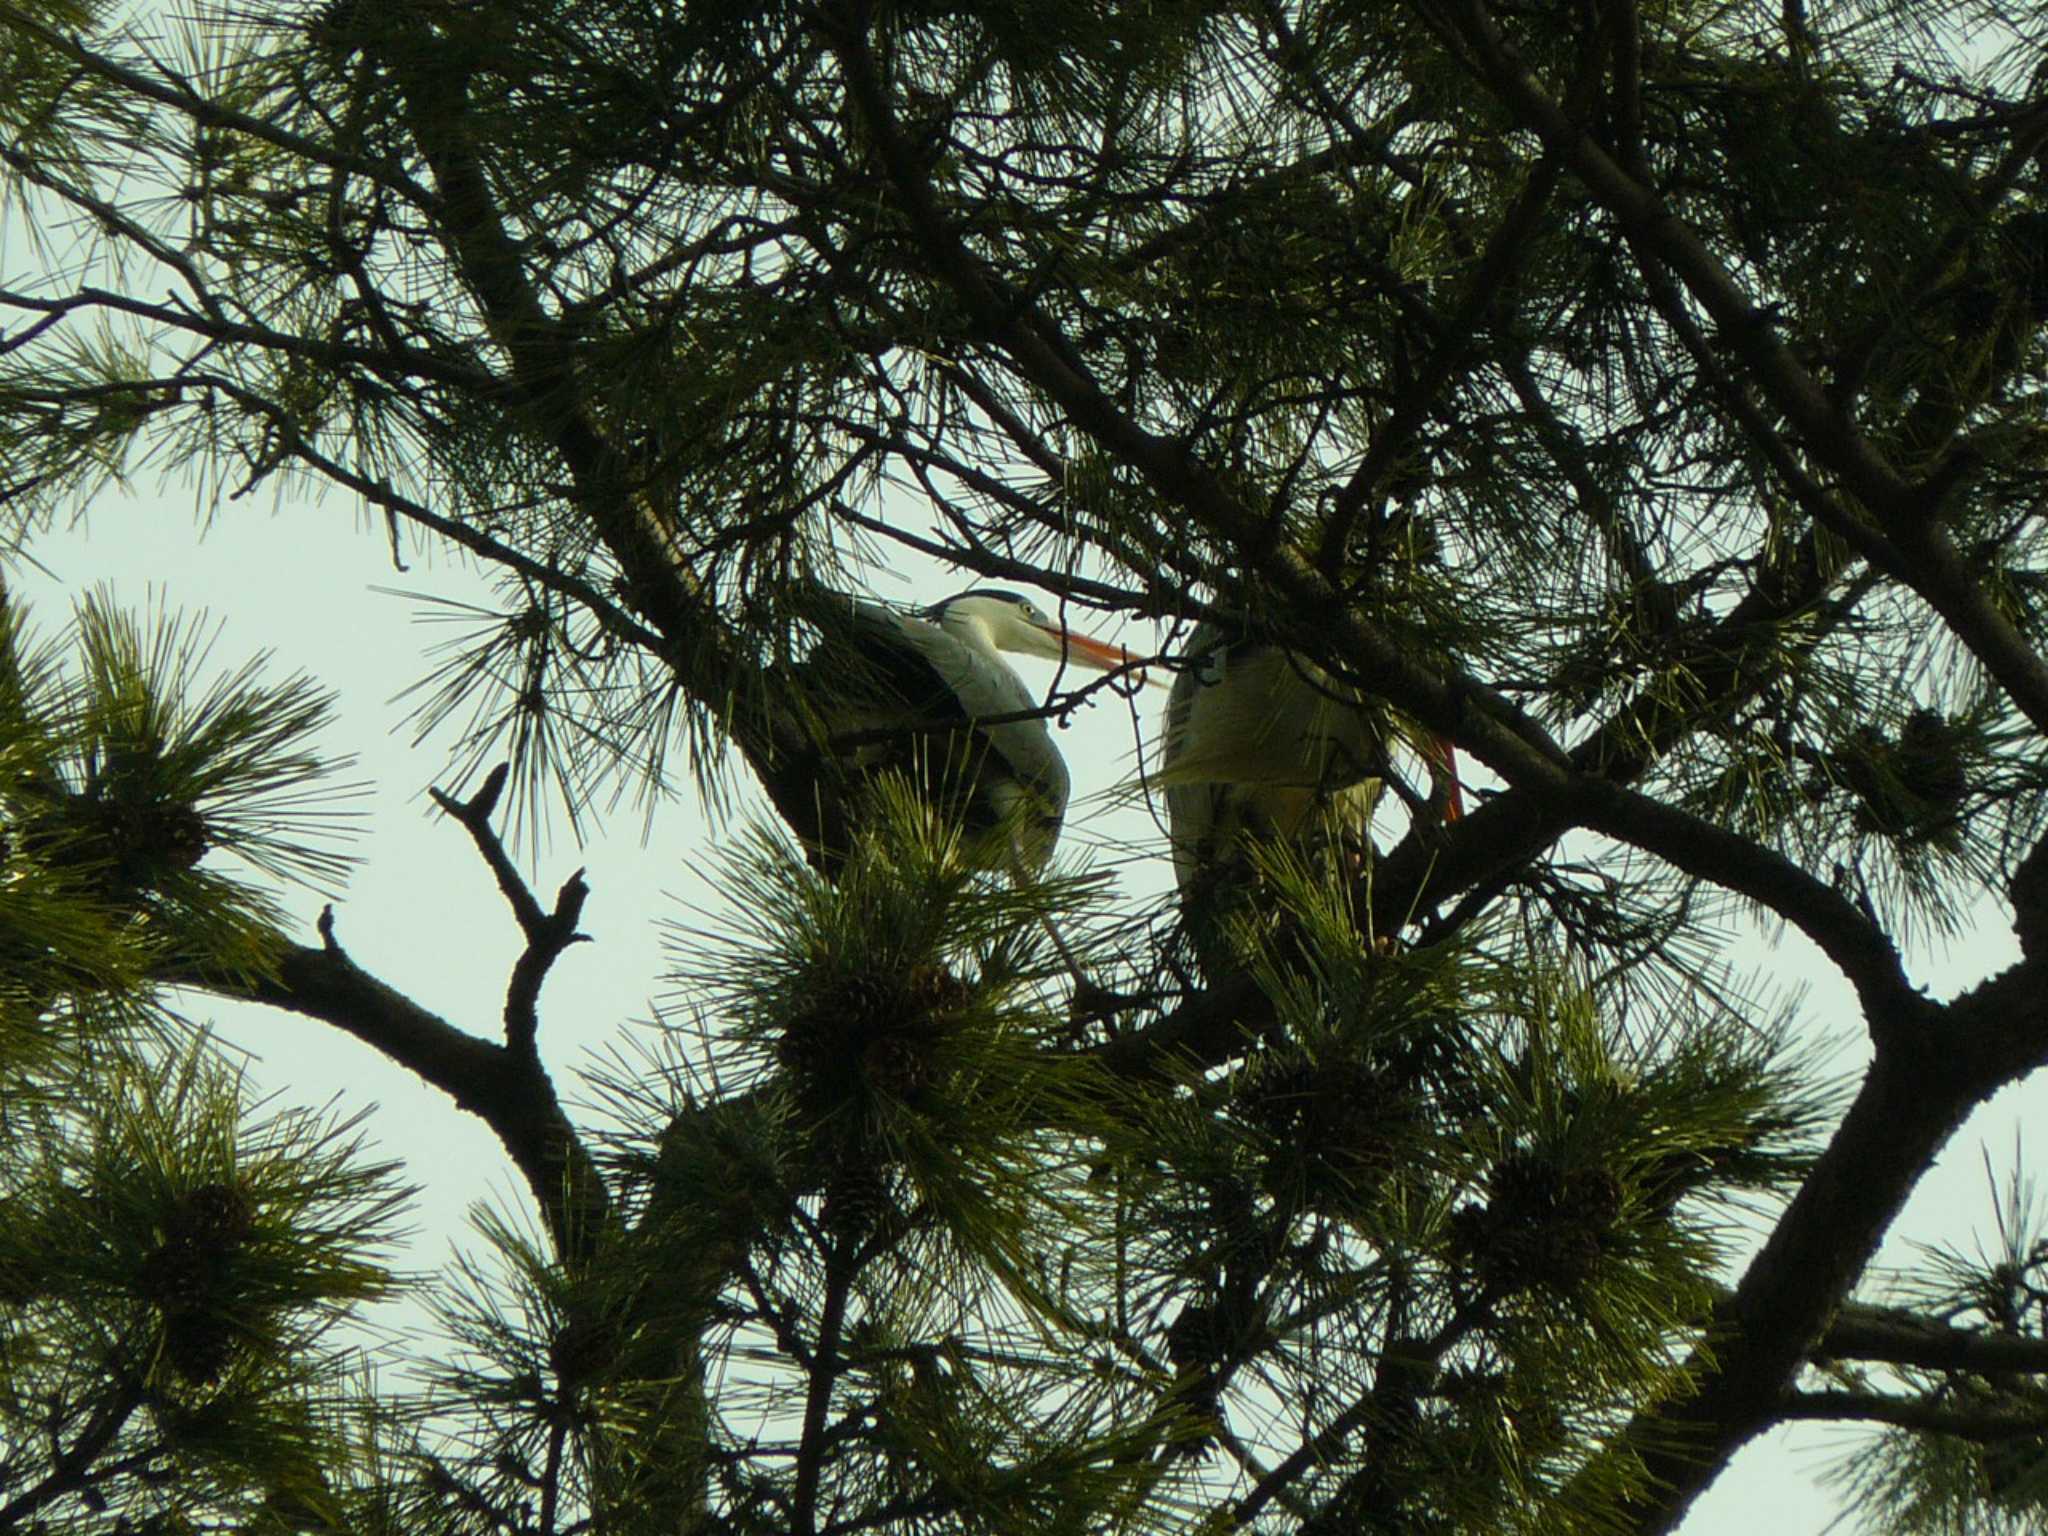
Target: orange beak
<point x="1104" y="657"/>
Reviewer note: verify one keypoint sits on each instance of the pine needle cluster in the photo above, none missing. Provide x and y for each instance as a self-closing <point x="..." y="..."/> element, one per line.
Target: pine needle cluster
<point x="174" y="1259"/>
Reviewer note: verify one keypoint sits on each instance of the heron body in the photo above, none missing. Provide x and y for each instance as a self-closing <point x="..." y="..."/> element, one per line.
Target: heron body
<point x="929" y="696"/>
<point x="1263" y="746"/>
<point x="1261" y="742"/>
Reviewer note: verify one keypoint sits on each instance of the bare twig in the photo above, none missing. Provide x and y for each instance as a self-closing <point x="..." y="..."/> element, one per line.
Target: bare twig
<point x="548" y="934"/>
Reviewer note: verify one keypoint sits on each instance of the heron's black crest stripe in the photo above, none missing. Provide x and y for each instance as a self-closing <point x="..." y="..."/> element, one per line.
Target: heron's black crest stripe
<point x="1000" y="594"/>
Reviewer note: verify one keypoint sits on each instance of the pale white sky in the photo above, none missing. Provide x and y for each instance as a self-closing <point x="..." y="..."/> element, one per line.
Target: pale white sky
<point x="423" y="914"/>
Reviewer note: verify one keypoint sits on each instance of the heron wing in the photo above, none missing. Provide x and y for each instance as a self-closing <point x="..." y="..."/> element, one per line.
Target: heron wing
<point x="1261" y="743"/>
<point x="1249" y="713"/>
<point x="885" y="673"/>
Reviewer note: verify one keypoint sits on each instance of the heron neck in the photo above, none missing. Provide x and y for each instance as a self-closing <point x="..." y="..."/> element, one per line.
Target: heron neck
<point x="970" y="630"/>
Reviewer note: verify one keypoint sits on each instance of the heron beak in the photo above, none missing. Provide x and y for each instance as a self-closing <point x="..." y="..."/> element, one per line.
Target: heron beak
<point x="1104" y="657"/>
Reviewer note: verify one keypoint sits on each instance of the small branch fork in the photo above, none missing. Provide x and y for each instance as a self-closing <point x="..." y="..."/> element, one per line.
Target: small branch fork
<point x="504" y="1085"/>
<point x="548" y="934"/>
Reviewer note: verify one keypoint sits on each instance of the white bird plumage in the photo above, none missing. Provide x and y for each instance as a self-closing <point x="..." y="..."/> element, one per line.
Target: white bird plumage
<point x="1263" y="742"/>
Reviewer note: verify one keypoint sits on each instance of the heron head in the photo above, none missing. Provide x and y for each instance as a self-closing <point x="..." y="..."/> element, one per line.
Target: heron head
<point x="1009" y="621"/>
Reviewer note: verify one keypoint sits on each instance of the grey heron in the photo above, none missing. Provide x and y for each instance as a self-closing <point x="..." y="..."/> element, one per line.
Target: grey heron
<point x="927" y="694"/>
<point x="1263" y="744"/>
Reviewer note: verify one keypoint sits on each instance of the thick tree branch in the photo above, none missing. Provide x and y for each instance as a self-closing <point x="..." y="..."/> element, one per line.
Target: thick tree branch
<point x="611" y="489"/>
<point x="507" y="1089"/>
<point x="1863" y="951"/>
<point x="1914" y="1098"/>
<point x="2028" y="893"/>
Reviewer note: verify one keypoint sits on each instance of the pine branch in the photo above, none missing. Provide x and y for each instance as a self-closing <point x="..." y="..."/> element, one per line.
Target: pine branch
<point x="379" y="492"/>
<point x="1988" y="1425"/>
<point x="211" y="330"/>
<point x="1893" y="1336"/>
<point x="71" y="1471"/>
<point x="540" y="349"/>
<point x="1457" y="354"/>
<point x="551" y="1476"/>
<point x="1908" y="514"/>
<point x="507" y="1089"/>
<point x="207" y="112"/>
<point x="1568" y="451"/>
<point x="546" y="385"/>
<point x="1407" y="1369"/>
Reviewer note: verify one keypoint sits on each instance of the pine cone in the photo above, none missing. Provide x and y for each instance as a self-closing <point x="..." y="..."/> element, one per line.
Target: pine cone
<point x="1565" y="1257"/>
<point x="144" y="841"/>
<point x="1930" y="759"/>
<point x="1470" y="1231"/>
<point x="1544" y="1225"/>
<point x="859" y="1199"/>
<point x="846" y="1014"/>
<point x="898" y="1066"/>
<point x="198" y="1345"/>
<point x="1526" y="1189"/>
<point x="1593" y="1196"/>
<point x="1913" y="785"/>
<point x="218" y="1213"/>
<point x="582" y="1348"/>
<point x="932" y="989"/>
<point x="1336" y="1131"/>
<point x="1282" y="1100"/>
<point x="188" y="1277"/>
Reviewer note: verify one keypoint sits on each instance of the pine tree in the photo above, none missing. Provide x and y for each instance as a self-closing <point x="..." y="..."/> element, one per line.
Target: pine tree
<point x="1637" y="396"/>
